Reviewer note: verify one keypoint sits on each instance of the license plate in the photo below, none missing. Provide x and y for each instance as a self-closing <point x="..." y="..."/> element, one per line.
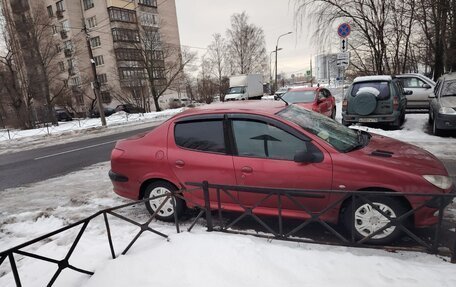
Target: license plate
<point x="368" y="120"/>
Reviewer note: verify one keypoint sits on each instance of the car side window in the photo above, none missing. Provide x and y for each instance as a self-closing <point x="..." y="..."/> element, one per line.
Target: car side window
<point x="206" y="136"/>
<point x="412" y="83"/>
<point x="263" y="140"/>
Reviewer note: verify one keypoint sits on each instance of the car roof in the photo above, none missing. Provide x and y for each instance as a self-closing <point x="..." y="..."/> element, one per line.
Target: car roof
<point x="373" y="78"/>
<point x="251" y="107"/>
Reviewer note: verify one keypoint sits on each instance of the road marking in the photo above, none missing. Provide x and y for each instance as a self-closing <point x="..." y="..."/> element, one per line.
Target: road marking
<point x="73" y="150"/>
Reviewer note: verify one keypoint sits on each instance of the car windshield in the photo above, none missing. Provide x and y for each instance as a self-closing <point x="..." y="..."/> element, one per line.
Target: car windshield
<point x="337" y="135"/>
<point x="299" y="96"/>
<point x="379" y="88"/>
<point x="236" y="90"/>
<point x="448" y="89"/>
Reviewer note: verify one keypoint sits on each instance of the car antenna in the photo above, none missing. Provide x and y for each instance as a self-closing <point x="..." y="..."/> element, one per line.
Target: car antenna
<point x="286" y="103"/>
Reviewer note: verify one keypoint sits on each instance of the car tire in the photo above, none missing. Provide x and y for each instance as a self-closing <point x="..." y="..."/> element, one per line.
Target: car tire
<point x="345" y="123"/>
<point x="367" y="220"/>
<point x="333" y="113"/>
<point x="436" y="131"/>
<point x="167" y="211"/>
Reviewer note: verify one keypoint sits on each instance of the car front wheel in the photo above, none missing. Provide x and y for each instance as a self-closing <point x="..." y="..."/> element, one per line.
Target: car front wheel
<point x="366" y="220"/>
<point x="436" y="131"/>
<point x="166" y="212"/>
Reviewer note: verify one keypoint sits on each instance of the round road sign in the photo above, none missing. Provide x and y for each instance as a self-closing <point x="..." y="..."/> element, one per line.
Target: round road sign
<point x="344" y="30"/>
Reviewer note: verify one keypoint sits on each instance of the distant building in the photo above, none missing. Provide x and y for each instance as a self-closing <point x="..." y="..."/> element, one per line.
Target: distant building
<point x="114" y="29"/>
<point x="326" y="68"/>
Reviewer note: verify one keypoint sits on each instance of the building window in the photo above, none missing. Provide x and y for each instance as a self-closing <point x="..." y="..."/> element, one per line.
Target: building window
<point x="152" y="3"/>
<point x="58" y="49"/>
<point x="106" y="97"/>
<point x="98" y="60"/>
<point x="88" y="4"/>
<point x="128" y="54"/>
<point x="123" y="15"/>
<point x="79" y="99"/>
<point x="50" y="11"/>
<point x="102" y="78"/>
<point x="68" y="45"/>
<point x="95" y="42"/>
<point x="132" y="73"/>
<point x="158" y="73"/>
<point x="59" y="6"/>
<point x="75" y="81"/>
<point x="55" y="30"/>
<point x="62" y="66"/>
<point x="125" y="35"/>
<point x="65" y="26"/>
<point x="155" y="55"/>
<point x="148" y="19"/>
<point x="91" y="22"/>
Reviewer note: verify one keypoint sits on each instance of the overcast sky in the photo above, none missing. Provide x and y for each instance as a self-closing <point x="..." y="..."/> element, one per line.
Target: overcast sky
<point x="200" y="19"/>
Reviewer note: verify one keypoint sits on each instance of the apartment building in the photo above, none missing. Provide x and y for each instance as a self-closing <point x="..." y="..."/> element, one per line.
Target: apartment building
<point x="129" y="40"/>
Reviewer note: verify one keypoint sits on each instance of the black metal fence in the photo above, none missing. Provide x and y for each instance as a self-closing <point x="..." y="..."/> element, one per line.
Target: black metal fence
<point x="216" y="221"/>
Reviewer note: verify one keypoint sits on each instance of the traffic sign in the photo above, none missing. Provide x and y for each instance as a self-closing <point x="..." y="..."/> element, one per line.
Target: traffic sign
<point x="344" y="30"/>
<point x="343" y="44"/>
<point x="343" y="60"/>
<point x="343" y="56"/>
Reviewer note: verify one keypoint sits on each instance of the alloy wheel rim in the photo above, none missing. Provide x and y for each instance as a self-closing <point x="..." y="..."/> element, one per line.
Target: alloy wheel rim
<point x="368" y="220"/>
<point x="168" y="208"/>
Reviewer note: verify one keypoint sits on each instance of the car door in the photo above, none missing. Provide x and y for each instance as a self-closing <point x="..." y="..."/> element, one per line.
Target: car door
<point x="264" y="150"/>
<point x="421" y="90"/>
<point x="197" y="152"/>
<point x="325" y="102"/>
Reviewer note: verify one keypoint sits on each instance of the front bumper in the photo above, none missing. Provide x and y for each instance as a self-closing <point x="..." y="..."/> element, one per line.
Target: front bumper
<point x="445" y="122"/>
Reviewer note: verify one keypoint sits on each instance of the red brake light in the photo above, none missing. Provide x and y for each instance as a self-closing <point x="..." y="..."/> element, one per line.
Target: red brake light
<point x="395" y="103"/>
<point x="344" y="105"/>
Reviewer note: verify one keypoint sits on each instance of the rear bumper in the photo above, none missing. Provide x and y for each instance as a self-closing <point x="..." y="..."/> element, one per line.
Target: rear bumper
<point x="352" y="118"/>
<point x="445" y="122"/>
<point x="123" y="187"/>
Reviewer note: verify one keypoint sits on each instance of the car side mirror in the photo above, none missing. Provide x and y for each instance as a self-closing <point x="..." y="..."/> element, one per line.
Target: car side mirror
<point x="431" y="96"/>
<point x="426" y="86"/>
<point x="304" y="156"/>
<point x="408" y="92"/>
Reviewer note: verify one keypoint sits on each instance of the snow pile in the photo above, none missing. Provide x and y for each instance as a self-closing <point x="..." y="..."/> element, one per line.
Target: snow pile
<point x="198" y="258"/>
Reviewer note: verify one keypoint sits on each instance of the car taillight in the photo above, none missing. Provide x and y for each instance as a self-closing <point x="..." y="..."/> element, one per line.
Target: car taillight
<point x="344" y="105"/>
<point x="395" y="103"/>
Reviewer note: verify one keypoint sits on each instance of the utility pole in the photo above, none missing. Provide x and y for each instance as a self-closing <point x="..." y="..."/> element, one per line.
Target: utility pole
<point x="96" y="83"/>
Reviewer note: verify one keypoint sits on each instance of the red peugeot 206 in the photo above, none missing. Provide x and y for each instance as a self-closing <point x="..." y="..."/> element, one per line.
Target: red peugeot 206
<point x="270" y="144"/>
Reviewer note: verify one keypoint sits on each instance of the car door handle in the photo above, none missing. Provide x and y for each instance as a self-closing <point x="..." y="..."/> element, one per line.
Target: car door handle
<point x="247" y="169"/>
<point x="180" y="163"/>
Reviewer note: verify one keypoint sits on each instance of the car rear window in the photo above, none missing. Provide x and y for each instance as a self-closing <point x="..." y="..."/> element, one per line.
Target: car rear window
<point x="379" y="88"/>
<point x="204" y="136"/>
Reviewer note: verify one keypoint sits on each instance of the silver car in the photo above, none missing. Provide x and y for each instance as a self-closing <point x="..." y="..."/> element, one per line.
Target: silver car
<point x="421" y="86"/>
<point x="442" y="110"/>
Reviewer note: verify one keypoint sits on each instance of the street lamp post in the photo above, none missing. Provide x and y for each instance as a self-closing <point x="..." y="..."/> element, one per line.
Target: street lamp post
<point x="277" y="49"/>
<point x="270" y="67"/>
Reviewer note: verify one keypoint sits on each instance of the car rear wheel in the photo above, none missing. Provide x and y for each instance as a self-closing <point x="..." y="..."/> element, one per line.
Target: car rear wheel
<point x="166" y="213"/>
<point x="367" y="220"/>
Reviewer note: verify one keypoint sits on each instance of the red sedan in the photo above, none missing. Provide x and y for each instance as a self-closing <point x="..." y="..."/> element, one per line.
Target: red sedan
<point x="274" y="145"/>
<point x="316" y="99"/>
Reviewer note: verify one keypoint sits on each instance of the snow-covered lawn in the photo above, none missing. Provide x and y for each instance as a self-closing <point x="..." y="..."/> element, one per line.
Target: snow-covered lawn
<point x="198" y="258"/>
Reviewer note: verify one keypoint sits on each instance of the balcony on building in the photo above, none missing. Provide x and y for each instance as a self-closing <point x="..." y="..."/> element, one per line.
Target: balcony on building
<point x="68" y="52"/>
<point x="59" y="14"/>
<point x="64" y="34"/>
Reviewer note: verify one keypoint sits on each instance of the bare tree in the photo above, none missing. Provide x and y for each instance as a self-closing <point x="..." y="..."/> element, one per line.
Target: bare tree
<point x="217" y="56"/>
<point x="246" y="45"/>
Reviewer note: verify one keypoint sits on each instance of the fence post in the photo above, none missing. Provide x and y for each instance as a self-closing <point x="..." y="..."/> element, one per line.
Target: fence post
<point x="47" y="128"/>
<point x="9" y="136"/>
<point x="207" y="205"/>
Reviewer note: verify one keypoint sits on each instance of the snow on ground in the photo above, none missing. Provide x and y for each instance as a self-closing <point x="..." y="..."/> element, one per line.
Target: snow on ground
<point x="197" y="258"/>
<point x="82" y="128"/>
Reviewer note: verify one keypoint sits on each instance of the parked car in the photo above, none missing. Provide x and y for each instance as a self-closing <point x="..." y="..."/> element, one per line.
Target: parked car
<point x="129" y="108"/>
<point x="107" y="112"/>
<point x="442" y="111"/>
<point x="316" y="99"/>
<point x="421" y="87"/>
<point x="269" y="144"/>
<point x="63" y="115"/>
<point x="375" y="99"/>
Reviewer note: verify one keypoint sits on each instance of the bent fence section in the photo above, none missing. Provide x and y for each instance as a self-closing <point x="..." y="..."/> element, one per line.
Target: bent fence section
<point x="216" y="221"/>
